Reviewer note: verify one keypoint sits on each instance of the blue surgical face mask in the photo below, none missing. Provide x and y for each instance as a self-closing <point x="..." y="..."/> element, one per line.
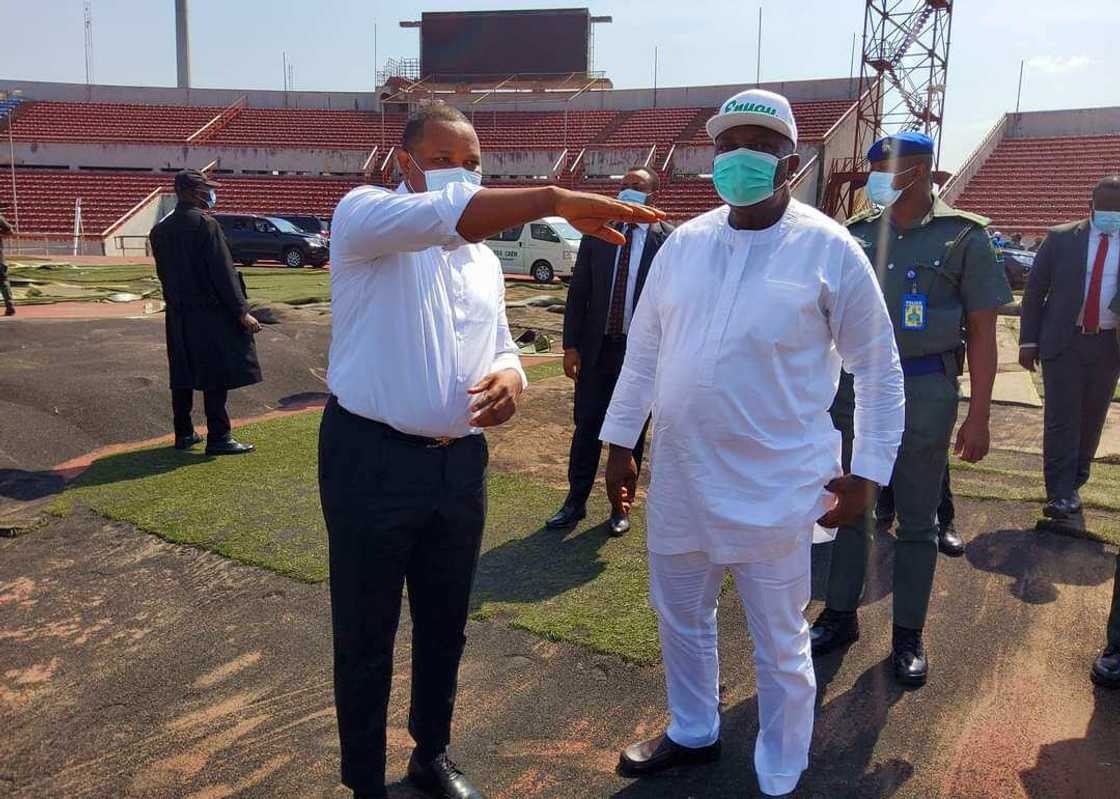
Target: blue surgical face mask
<point x="213" y="199"/>
<point x="633" y="196"/>
<point x="744" y="177"/>
<point x="1106" y="221"/>
<point x="880" y="187"/>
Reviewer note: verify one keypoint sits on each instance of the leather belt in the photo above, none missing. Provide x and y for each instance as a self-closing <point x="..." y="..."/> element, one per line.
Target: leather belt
<point x="440" y="442"/>
<point x="923" y="365"/>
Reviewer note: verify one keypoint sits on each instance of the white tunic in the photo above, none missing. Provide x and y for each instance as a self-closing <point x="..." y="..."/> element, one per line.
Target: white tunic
<point x="736" y="348"/>
<point x="418" y="314"/>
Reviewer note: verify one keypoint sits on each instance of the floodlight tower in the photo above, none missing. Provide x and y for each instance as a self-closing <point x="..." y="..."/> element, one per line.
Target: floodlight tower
<point x="182" y="45"/>
<point x="903" y="74"/>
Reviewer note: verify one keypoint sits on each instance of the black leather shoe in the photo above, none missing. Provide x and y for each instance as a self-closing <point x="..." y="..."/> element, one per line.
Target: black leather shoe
<point x="1062" y="508"/>
<point x="10" y="310"/>
<point x="657" y="754"/>
<point x="1106" y="671"/>
<point x="567" y="516"/>
<point x="909" y="657"/>
<point x="619" y="525"/>
<point x="949" y="540"/>
<point x="186" y="442"/>
<point x="833" y="629"/>
<point x="228" y="446"/>
<point x="440" y="777"/>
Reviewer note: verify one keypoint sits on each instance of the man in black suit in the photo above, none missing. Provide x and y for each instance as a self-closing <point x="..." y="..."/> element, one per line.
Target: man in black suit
<point x="209" y="328"/>
<point x="607" y="282"/>
<point x="1070" y="315"/>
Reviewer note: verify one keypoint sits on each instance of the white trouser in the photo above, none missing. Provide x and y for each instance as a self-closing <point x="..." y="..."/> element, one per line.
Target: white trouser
<point x="685" y="591"/>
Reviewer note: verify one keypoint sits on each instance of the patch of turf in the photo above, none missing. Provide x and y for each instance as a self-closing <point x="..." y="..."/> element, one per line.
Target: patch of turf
<point x="554" y="367"/>
<point x="578" y="585"/>
<point x="1017" y="477"/>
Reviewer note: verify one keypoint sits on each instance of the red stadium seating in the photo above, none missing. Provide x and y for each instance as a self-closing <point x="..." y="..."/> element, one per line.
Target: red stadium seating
<point x="530" y="129"/>
<point x="660" y="126"/>
<point x="109" y="122"/>
<point x="46" y="198"/>
<point x="1028" y="185"/>
<point x="287" y="127"/>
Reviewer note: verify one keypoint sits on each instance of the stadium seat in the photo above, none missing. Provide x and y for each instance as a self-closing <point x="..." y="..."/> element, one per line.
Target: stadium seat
<point x="1028" y="185"/>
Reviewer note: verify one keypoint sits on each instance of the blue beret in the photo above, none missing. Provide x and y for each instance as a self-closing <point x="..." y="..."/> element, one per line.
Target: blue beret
<point x="900" y="145"/>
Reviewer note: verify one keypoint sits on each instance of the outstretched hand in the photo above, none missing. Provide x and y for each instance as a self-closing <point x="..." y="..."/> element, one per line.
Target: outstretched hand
<point x="591" y="214"/>
<point x="853" y="495"/>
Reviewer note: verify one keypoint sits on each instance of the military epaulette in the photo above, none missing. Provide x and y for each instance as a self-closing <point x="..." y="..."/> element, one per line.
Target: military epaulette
<point x="863" y="216"/>
<point x="977" y="219"/>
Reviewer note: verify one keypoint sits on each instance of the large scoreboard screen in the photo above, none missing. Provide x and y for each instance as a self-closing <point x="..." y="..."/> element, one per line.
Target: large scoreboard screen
<point x="484" y="45"/>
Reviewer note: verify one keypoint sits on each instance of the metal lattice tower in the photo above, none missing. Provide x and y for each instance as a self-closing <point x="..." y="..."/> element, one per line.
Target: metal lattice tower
<point x="903" y="74"/>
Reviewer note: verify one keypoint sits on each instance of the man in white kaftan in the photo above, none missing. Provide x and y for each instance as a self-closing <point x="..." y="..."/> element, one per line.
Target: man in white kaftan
<point x="736" y="350"/>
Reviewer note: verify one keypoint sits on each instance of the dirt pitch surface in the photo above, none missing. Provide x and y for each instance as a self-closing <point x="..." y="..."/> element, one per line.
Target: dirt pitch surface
<point x="133" y="667"/>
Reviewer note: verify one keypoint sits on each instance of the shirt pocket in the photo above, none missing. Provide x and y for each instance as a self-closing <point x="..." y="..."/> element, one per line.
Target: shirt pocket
<point x="780" y="314"/>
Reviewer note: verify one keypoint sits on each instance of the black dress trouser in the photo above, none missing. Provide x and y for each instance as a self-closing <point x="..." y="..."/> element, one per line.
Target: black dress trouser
<point x="1079" y="384"/>
<point x="397" y="512"/>
<point x="217" y="418"/>
<point x="594" y="389"/>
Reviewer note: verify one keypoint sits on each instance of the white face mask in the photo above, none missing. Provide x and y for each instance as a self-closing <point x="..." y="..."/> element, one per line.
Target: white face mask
<point x="439" y="179"/>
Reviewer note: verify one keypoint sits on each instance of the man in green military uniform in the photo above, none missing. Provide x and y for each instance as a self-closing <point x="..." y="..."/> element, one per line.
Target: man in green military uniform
<point x="936" y="267"/>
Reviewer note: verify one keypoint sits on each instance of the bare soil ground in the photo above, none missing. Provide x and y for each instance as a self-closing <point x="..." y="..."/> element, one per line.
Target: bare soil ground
<point x="131" y="667"/>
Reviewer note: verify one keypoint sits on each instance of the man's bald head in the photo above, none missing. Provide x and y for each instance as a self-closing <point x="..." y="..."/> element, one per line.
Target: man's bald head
<point x="1106" y="194"/>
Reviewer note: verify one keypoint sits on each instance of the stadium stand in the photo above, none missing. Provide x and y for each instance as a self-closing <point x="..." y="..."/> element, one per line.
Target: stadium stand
<point x="7" y="106"/>
<point x="660" y="126"/>
<point x="47" y="197"/>
<point x="529" y="129"/>
<point x="1028" y="185"/>
<point x="322" y="129"/>
<point x="1037" y="169"/>
<point x="115" y="155"/>
<point x="109" y="122"/>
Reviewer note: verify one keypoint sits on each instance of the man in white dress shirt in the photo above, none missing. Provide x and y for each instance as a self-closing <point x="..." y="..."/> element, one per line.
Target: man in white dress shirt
<point x="736" y="349"/>
<point x="421" y="360"/>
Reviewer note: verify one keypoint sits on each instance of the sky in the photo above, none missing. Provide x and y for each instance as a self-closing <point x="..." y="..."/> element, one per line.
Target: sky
<point x="240" y="44"/>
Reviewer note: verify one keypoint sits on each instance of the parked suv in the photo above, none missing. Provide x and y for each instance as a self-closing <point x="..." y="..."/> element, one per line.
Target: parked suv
<point x="254" y="238"/>
<point x="309" y="224"/>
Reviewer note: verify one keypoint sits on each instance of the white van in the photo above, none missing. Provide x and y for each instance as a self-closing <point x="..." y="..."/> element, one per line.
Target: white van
<point x="545" y="249"/>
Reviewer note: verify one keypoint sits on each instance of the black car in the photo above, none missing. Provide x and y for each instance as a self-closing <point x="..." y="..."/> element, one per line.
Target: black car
<point x="309" y="224"/>
<point x="254" y="238"/>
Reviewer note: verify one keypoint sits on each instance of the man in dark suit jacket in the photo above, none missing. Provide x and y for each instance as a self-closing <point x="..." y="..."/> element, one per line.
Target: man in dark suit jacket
<point x="209" y="328"/>
<point x="607" y="282"/>
<point x="1070" y="314"/>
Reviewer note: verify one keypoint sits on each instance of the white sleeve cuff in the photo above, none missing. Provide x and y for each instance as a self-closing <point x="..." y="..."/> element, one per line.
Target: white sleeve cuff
<point x="450" y="204"/>
<point x="618" y="433"/>
<point x="1027" y="346"/>
<point x="876" y="467"/>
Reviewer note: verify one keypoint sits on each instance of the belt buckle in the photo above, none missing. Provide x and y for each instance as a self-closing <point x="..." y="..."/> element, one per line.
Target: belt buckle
<point x="441" y="442"/>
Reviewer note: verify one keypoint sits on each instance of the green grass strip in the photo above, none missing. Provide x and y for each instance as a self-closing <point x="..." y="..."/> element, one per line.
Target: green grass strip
<point x="263" y="509"/>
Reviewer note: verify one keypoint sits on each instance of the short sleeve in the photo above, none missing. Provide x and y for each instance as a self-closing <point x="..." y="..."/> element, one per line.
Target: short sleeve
<point x="983" y="282"/>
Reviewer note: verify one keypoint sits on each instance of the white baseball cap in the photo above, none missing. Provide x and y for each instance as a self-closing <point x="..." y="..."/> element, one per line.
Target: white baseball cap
<point x="755" y="107"/>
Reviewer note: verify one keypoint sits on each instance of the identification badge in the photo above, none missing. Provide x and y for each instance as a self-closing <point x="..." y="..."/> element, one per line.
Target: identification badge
<point x="914" y="312"/>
